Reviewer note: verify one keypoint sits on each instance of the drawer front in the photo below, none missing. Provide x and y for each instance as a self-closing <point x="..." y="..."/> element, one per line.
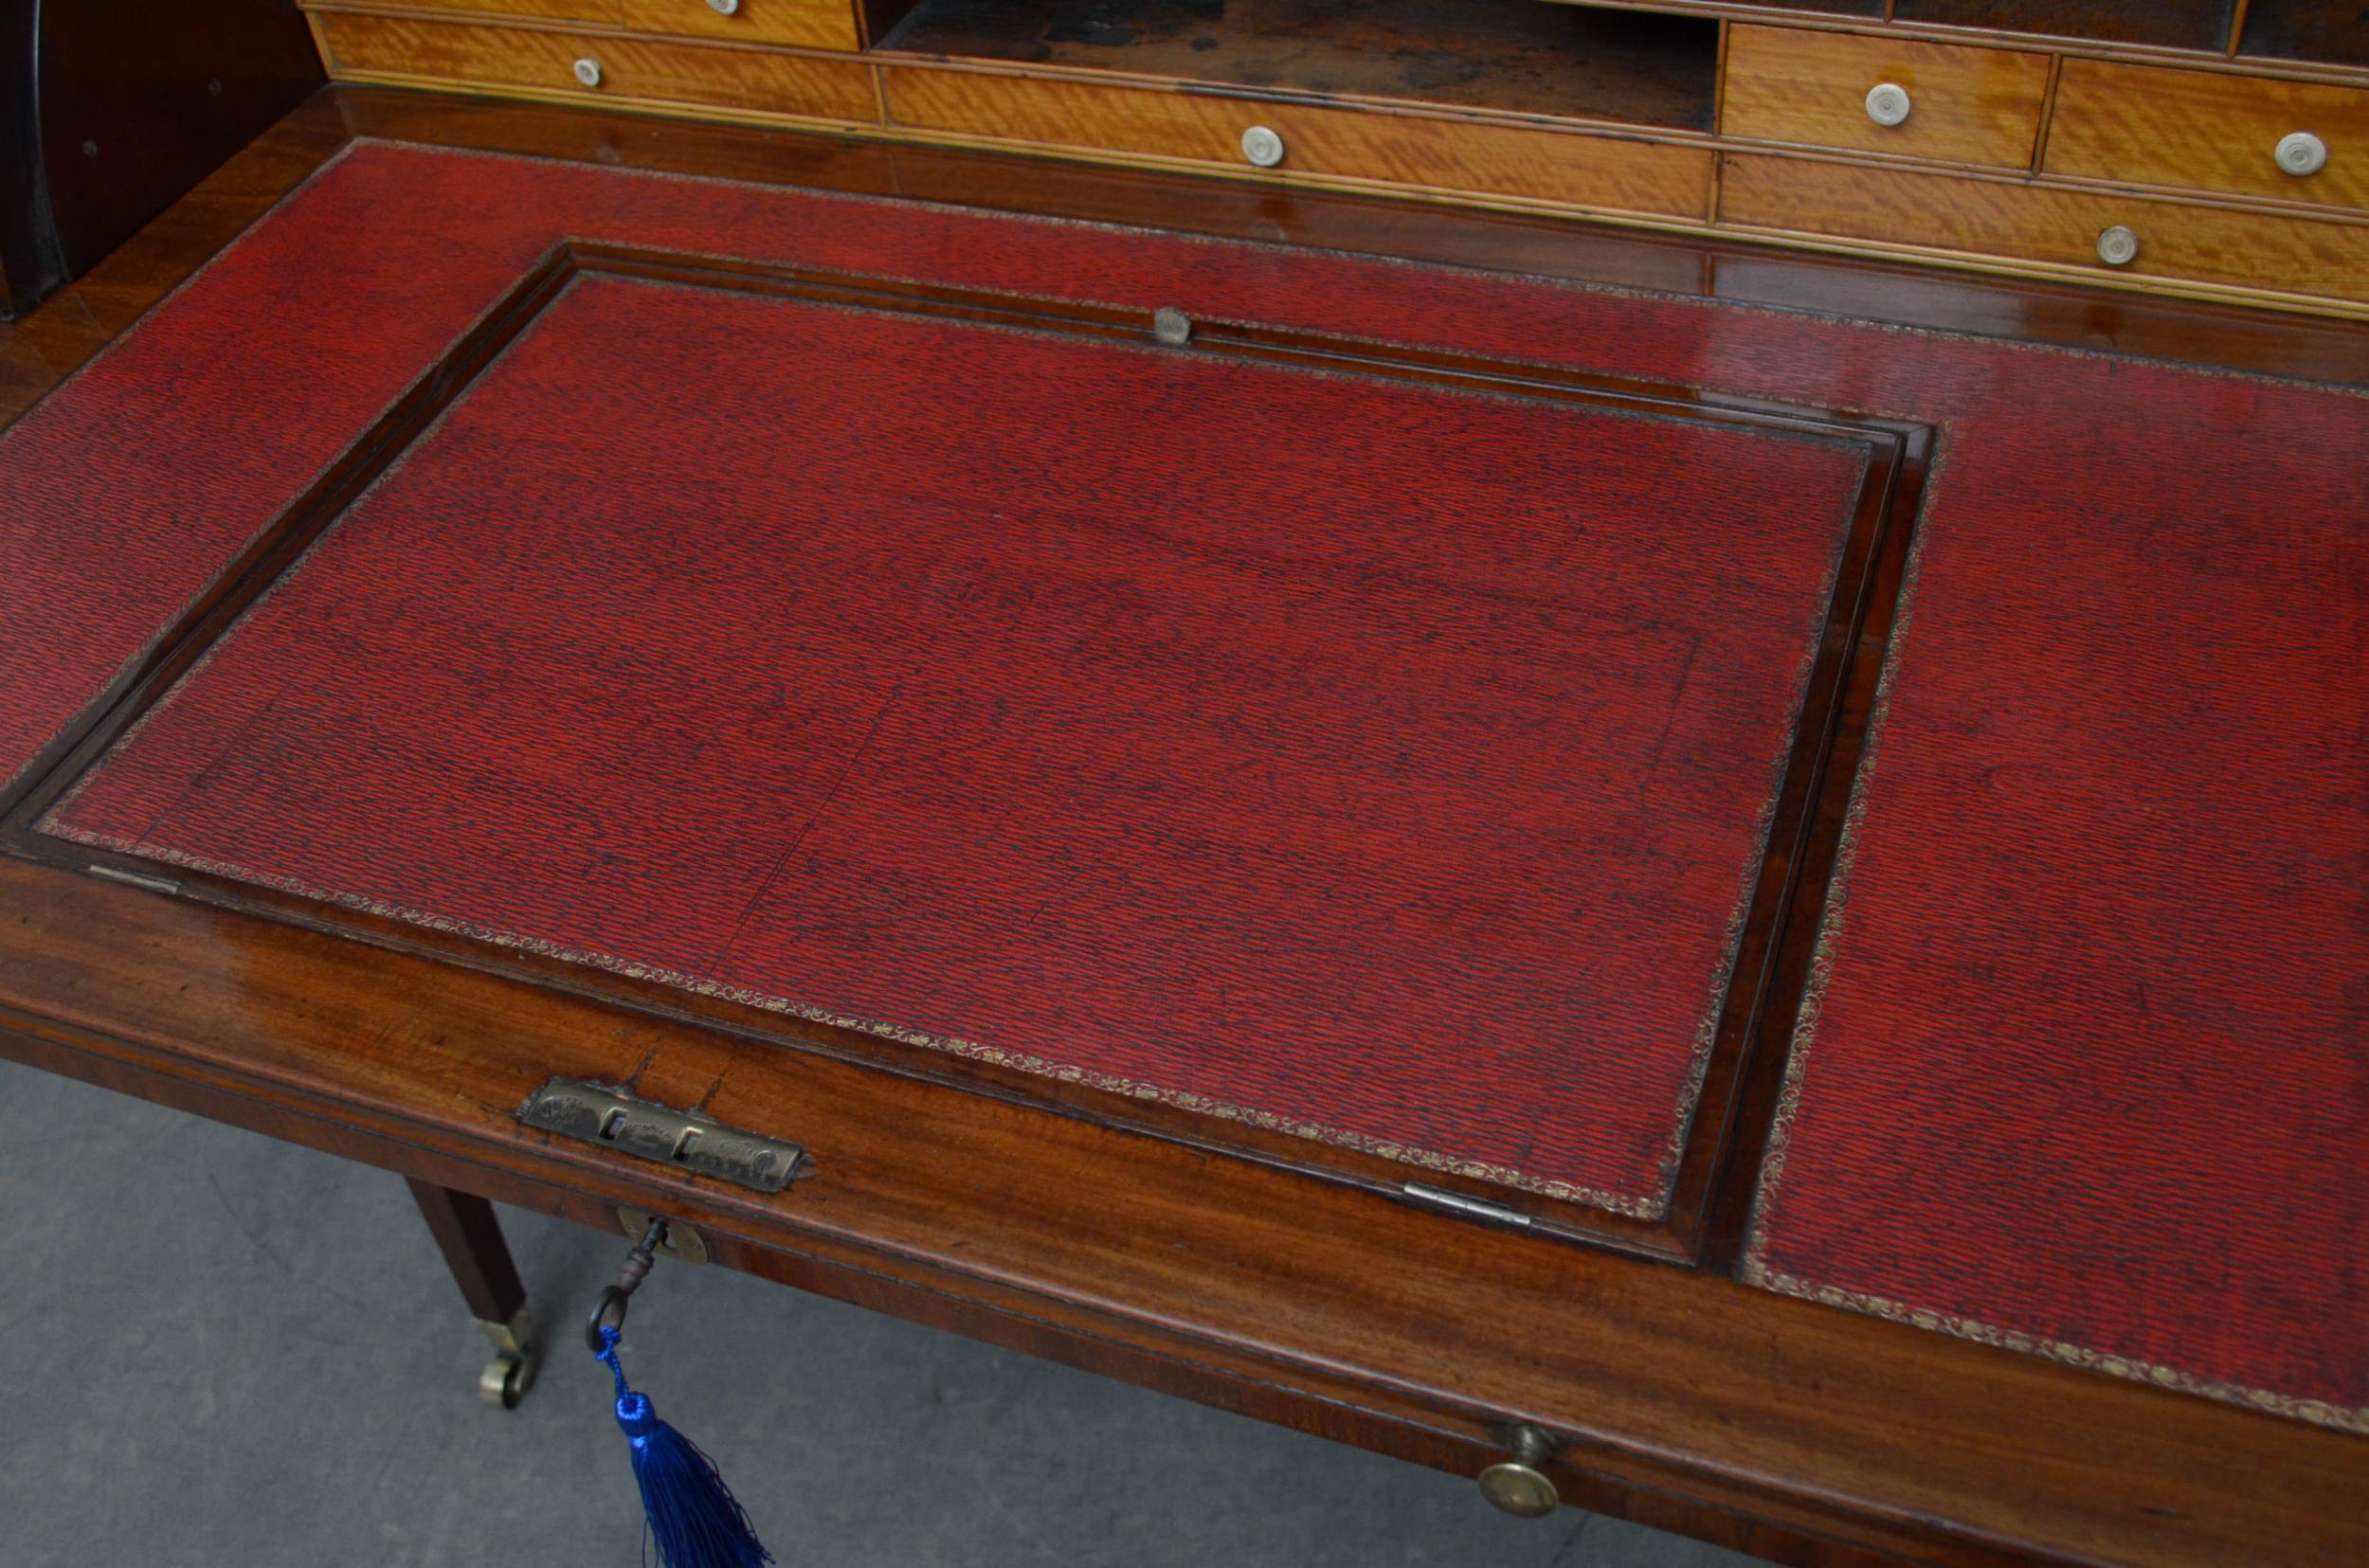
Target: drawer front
<point x="1965" y="105"/>
<point x="808" y="23"/>
<point x="1404" y="150"/>
<point x="2029" y="222"/>
<point x="2148" y="125"/>
<point x="604" y="11"/>
<point x="629" y="68"/>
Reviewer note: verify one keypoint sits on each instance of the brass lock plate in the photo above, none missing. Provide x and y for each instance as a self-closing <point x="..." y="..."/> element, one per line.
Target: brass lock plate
<point x="603" y="1116"/>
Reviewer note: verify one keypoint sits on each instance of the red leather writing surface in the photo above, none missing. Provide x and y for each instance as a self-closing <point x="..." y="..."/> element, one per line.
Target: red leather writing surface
<point x="2105" y="940"/>
<point x="120" y="498"/>
<point x="2058" y="1117"/>
<point x="1356" y="755"/>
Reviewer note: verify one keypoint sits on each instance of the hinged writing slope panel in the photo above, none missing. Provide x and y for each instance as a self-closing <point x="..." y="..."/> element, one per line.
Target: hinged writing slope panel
<point x="1353" y="752"/>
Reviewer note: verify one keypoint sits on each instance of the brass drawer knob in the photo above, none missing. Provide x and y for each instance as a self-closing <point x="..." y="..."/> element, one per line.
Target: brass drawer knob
<point x="1888" y="103"/>
<point x="2118" y="246"/>
<point x="1262" y="146"/>
<point x="2300" y="152"/>
<point x="588" y="72"/>
<point x="1516" y="1486"/>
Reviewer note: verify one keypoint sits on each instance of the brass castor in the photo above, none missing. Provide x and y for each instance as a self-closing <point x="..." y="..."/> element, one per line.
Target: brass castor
<point x="516" y="1358"/>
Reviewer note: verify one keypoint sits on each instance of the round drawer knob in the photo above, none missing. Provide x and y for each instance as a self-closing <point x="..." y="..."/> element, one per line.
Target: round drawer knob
<point x="1516" y="1485"/>
<point x="1262" y="146"/>
<point x="2300" y="152"/>
<point x="588" y="72"/>
<point x="1888" y="103"/>
<point x="2117" y="246"/>
<point x="724" y="7"/>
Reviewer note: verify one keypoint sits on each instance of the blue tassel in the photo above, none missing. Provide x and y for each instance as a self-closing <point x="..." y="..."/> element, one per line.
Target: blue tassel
<point x="693" y="1516"/>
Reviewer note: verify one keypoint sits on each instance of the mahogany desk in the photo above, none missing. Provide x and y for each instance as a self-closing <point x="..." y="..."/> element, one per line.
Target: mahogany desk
<point x="1481" y="839"/>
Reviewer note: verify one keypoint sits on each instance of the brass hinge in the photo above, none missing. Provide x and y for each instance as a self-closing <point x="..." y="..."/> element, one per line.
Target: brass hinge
<point x="599" y="1115"/>
<point x="1455" y="1202"/>
<point x="134" y="879"/>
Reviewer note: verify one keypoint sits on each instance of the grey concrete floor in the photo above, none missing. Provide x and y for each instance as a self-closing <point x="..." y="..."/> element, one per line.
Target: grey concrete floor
<point x="223" y="1350"/>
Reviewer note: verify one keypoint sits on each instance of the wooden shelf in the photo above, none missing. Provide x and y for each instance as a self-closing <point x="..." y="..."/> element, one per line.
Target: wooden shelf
<point x="1515" y="56"/>
<point x="2202" y="25"/>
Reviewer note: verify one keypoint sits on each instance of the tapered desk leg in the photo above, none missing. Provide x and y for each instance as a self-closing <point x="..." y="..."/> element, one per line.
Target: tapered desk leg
<point x="465" y="1226"/>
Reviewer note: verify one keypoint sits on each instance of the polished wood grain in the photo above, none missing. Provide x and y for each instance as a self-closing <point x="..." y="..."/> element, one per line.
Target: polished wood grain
<point x="1008" y="1323"/>
<point x="1594" y="173"/>
<point x="1967" y="105"/>
<point x="809" y="24"/>
<point x="632" y="69"/>
<point x="1273" y="1287"/>
<point x="1680" y="1396"/>
<point x="2146" y="125"/>
<point x="604" y="12"/>
<point x="2059" y="228"/>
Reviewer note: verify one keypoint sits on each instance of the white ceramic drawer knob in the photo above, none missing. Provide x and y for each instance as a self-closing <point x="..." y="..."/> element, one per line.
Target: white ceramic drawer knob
<point x="724" y="7"/>
<point x="1888" y="103"/>
<point x="2300" y="152"/>
<point x="1262" y="146"/>
<point x="588" y="72"/>
<point x="2118" y="246"/>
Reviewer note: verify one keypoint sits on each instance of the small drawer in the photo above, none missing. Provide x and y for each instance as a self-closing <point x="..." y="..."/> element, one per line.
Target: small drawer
<point x="1884" y="95"/>
<point x="604" y="11"/>
<point x="807" y="24"/>
<point x="591" y="66"/>
<point x="1998" y="218"/>
<point x="1407" y="151"/>
<point x="2151" y="125"/>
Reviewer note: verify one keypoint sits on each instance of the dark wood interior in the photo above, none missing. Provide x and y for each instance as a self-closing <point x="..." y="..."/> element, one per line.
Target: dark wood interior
<point x="1872" y="9"/>
<point x="135" y="103"/>
<point x="1520" y="55"/>
<point x="2334" y="31"/>
<point x="2166" y="23"/>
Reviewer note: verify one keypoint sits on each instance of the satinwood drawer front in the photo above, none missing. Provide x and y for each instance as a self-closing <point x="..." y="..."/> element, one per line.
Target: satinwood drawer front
<point x="2037" y="223"/>
<point x="2149" y="125"/>
<point x="1883" y="95"/>
<point x="809" y="24"/>
<point x="1568" y="168"/>
<point x="604" y="11"/>
<point x="606" y="66"/>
